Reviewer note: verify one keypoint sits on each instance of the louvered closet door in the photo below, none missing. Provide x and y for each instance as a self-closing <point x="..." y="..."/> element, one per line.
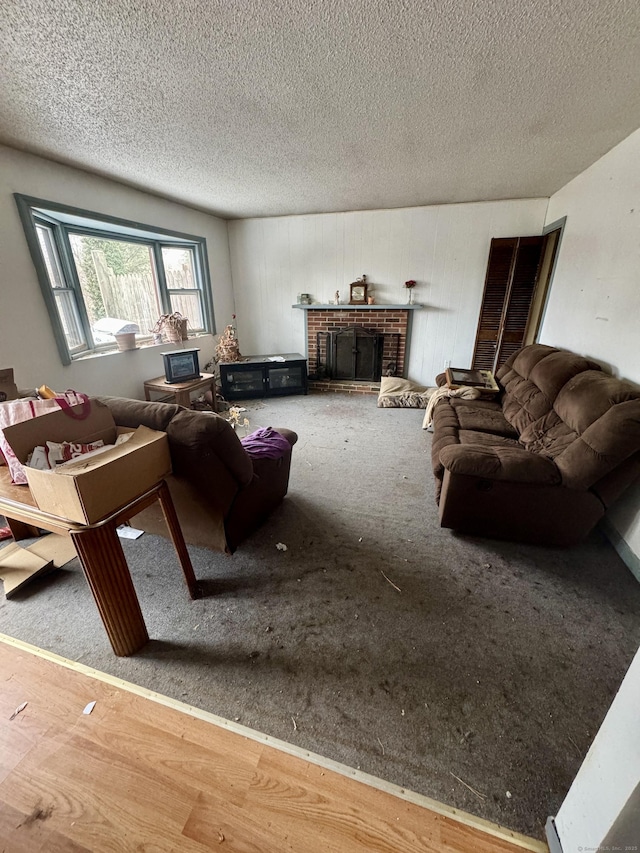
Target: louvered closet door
<point x="512" y="275"/>
<point x="501" y="257"/>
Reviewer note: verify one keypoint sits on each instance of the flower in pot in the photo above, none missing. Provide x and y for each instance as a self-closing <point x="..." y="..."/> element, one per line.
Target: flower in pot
<point x="172" y="327"/>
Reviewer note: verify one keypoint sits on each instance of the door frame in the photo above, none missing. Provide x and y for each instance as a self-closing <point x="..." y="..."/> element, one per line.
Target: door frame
<point x="544" y="287"/>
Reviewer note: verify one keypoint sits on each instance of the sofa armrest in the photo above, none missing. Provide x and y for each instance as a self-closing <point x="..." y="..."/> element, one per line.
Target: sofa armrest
<point x="500" y="463"/>
<point x="289" y="434"/>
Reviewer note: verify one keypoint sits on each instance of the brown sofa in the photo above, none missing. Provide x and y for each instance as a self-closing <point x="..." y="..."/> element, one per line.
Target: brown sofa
<point x="544" y="460"/>
<point x="220" y="493"/>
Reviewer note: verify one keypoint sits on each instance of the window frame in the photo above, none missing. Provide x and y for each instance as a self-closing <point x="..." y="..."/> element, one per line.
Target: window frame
<point x="34" y="211"/>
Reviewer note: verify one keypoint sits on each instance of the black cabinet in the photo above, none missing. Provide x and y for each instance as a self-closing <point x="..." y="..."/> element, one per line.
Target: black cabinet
<point x="264" y="376"/>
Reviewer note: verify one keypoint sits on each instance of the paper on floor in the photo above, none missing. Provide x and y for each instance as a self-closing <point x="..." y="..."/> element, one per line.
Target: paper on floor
<point x="126" y="532"/>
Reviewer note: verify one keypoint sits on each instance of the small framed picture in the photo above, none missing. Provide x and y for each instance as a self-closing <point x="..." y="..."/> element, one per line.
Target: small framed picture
<point x="181" y="365"/>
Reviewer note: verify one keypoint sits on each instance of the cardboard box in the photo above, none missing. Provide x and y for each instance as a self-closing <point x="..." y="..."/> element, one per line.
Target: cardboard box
<point x="88" y="490"/>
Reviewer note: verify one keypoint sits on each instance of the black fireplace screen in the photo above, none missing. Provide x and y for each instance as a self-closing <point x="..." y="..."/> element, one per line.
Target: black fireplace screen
<point x="356" y="353"/>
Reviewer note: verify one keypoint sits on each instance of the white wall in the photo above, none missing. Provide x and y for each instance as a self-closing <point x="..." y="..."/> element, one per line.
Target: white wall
<point x="444" y="248"/>
<point x="594" y="303"/>
<point x="608" y="776"/>
<point x="26" y="340"/>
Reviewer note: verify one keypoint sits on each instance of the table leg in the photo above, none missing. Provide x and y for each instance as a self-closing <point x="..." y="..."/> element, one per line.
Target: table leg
<point x="107" y="574"/>
<point x="20" y="530"/>
<point x="183" y="398"/>
<point x="147" y="394"/>
<point x="175" y="531"/>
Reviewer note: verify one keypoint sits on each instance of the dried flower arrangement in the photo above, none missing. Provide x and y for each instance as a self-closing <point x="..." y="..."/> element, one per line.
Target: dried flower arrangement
<point x="171" y="327"/>
<point x="228" y="348"/>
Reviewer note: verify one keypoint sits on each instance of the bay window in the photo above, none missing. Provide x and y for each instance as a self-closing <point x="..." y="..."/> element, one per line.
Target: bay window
<point x="91" y="267"/>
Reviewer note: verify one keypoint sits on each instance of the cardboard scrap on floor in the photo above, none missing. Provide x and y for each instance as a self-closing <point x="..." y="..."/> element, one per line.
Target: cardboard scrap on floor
<point x="20" y="565"/>
<point x="59" y="549"/>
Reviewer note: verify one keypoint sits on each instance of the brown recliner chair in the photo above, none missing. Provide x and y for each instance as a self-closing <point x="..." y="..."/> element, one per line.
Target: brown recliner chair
<point x="220" y="493"/>
<point x="544" y="461"/>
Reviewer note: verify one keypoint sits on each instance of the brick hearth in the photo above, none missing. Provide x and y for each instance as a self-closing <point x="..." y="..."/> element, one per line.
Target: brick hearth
<point x="346" y="386"/>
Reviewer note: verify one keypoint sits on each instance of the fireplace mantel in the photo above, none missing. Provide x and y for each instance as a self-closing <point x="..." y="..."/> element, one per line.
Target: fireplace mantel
<point x="343" y="306"/>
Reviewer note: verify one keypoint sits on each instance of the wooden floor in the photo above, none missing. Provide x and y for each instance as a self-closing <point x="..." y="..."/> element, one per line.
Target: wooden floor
<point x="142" y="772"/>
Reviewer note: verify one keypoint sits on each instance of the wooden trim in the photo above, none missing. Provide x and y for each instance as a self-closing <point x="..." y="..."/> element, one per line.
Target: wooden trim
<point x="28" y="226"/>
<point x="558" y="225"/>
<point x="552" y="837"/>
<point x="344" y="306"/>
<point x="554" y="226"/>
<point x="60" y="207"/>
<point x="487" y="827"/>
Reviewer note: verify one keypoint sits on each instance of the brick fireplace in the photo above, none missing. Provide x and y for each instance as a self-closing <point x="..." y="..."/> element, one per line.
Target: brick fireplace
<point x="391" y="322"/>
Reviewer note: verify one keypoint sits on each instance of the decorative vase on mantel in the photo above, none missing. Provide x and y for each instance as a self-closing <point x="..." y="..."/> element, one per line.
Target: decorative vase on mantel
<point x="409" y="286"/>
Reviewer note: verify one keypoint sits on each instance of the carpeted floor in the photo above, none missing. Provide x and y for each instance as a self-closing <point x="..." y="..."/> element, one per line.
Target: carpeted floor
<point x="377" y="639"/>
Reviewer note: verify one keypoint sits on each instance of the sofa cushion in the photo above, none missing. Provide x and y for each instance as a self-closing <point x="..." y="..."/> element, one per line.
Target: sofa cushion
<point x="484" y="420"/>
<point x="500" y="463"/>
<point x="533" y="380"/>
<point x="468" y="436"/>
<point x="482" y="424"/>
<point x="524" y="360"/>
<point x="134" y="413"/>
<point x="548" y="436"/>
<point x="478" y="403"/>
<point x="610" y="440"/>
<point x="586" y="397"/>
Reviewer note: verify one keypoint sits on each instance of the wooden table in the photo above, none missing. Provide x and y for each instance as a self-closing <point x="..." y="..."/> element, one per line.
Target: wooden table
<point x="181" y="391"/>
<point x="101" y="556"/>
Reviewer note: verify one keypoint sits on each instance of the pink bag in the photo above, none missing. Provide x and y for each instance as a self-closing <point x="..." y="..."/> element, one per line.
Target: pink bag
<point x="17" y="411"/>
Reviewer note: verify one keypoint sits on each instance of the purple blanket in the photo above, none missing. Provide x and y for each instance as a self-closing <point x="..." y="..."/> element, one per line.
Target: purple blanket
<point x="265" y="444"/>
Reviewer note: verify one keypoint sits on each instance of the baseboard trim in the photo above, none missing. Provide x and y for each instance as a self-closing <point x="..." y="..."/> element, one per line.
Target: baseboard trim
<point x="552" y="836"/>
<point x="631" y="560"/>
<point x="489" y="828"/>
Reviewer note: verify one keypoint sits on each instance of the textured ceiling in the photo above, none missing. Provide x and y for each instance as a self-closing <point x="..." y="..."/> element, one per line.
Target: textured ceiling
<point x="267" y="107"/>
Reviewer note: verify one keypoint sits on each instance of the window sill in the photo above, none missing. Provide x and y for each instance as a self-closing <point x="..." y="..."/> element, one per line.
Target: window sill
<point x="141" y="345"/>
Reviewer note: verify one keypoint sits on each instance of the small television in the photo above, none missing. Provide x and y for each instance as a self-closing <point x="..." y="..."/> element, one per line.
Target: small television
<point x="181" y="365"/>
